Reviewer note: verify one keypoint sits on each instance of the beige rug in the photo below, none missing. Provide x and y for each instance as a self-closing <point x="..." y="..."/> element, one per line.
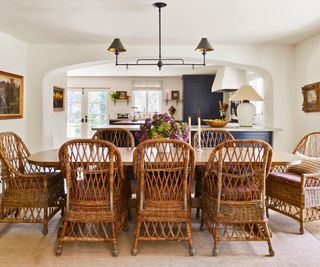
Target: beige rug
<point x="24" y="245"/>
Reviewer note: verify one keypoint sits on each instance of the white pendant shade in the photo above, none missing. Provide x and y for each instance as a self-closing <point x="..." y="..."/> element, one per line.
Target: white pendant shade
<point x="246" y="92"/>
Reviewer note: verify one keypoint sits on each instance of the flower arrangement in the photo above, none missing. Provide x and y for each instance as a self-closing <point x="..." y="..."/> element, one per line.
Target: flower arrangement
<point x="163" y="126"/>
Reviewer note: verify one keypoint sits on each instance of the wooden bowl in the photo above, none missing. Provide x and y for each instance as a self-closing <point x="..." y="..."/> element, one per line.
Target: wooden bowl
<point x="216" y="123"/>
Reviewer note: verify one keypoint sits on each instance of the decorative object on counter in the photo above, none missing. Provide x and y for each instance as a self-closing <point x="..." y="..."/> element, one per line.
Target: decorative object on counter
<point x="134" y="113"/>
<point x="246" y="110"/>
<point x="162" y="126"/>
<point x="223" y="108"/>
<point x="311" y="97"/>
<point x="11" y="95"/>
<point x="117" y="47"/>
<point x="216" y="123"/>
<point x="198" y="146"/>
<point x="58" y="98"/>
<point x="172" y="110"/>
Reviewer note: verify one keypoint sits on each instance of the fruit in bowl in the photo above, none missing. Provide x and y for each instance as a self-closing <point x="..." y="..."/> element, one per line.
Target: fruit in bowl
<point x="216" y="123"/>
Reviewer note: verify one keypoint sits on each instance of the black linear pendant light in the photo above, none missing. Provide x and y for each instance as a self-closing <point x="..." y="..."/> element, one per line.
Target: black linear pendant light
<point x="117" y="47"/>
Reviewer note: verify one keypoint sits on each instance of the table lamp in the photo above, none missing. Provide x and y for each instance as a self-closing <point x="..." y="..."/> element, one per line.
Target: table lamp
<point x="246" y="110"/>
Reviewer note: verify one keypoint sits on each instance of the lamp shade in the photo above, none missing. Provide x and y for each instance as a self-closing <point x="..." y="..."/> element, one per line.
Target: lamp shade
<point x="246" y="92"/>
<point x="116" y="46"/>
<point x="204" y="45"/>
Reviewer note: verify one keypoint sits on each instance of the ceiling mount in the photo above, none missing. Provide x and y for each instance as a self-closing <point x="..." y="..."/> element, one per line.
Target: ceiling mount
<point x="117" y="47"/>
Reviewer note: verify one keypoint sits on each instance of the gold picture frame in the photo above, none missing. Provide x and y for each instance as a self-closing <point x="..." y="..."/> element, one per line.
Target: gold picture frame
<point x="58" y="98"/>
<point x="311" y="97"/>
<point x="11" y="96"/>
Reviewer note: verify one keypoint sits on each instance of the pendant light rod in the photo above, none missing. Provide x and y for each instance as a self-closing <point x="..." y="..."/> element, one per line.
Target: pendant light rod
<point x="117" y="47"/>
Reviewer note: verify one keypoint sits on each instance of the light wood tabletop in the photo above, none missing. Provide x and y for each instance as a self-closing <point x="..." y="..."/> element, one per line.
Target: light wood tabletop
<point x="49" y="158"/>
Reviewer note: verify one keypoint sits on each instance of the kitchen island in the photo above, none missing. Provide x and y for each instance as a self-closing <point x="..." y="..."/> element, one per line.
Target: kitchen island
<point x="254" y="132"/>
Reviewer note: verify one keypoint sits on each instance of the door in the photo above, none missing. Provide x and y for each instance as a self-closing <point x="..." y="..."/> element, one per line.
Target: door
<point x="87" y="108"/>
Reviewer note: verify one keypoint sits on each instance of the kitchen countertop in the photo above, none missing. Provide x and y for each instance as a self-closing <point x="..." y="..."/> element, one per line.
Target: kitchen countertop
<point x="234" y="127"/>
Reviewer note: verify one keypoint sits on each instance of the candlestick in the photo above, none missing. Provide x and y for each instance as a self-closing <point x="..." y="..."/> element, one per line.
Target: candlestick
<point x="189" y="122"/>
<point x="199" y="133"/>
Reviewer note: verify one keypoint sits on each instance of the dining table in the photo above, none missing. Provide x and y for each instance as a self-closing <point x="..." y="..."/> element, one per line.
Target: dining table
<point x="50" y="159"/>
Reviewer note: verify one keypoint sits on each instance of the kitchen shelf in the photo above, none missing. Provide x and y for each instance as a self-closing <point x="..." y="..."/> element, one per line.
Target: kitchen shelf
<point x="121" y="99"/>
<point x="170" y="100"/>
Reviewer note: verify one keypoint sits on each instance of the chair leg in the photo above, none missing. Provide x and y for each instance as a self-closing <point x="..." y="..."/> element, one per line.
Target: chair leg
<point x="301" y="220"/>
<point x="192" y="250"/>
<point x="45" y="221"/>
<point x="202" y="222"/>
<point x="115" y="251"/>
<point x="136" y="238"/>
<point x="215" y="251"/>
<point x="266" y="229"/>
<point x="60" y="240"/>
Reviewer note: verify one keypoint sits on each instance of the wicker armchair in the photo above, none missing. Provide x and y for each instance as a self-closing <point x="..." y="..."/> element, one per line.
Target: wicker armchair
<point x="297" y="195"/>
<point x="164" y="169"/>
<point x="233" y="195"/>
<point x="96" y="203"/>
<point x="120" y="137"/>
<point x="30" y="194"/>
<point x="209" y="138"/>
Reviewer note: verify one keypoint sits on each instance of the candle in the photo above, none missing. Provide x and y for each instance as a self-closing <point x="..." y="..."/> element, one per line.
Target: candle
<point x="199" y="131"/>
<point x="189" y="122"/>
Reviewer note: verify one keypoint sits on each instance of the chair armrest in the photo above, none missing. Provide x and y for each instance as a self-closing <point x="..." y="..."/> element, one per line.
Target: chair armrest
<point x="30" y="181"/>
<point x="310" y="179"/>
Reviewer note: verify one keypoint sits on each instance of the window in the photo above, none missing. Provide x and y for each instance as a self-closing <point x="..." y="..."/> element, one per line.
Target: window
<point x="257" y="84"/>
<point x="147" y="96"/>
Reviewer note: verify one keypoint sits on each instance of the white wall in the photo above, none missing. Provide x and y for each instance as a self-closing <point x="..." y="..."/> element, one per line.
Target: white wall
<point x="13" y="59"/>
<point x="307" y="70"/>
<point x="274" y="63"/>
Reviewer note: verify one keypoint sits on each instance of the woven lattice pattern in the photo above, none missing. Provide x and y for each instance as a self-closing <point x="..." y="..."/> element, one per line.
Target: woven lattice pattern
<point x="120" y="137"/>
<point x="234" y="190"/>
<point x="299" y="200"/>
<point x="30" y="193"/>
<point x="212" y="137"/>
<point x="164" y="169"/>
<point x="96" y="206"/>
<point x="309" y="145"/>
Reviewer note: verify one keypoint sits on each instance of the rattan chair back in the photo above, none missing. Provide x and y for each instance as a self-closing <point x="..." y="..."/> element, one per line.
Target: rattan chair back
<point x="309" y="145"/>
<point x="212" y="137"/>
<point x="236" y="172"/>
<point x="163" y="168"/>
<point x="120" y="137"/>
<point x="93" y="170"/>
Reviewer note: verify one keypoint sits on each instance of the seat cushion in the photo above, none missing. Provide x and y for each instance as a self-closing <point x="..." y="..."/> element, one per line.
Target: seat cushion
<point x="291" y="177"/>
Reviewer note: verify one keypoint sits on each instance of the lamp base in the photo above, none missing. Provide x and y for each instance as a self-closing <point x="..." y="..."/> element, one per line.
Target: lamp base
<point x="246" y="112"/>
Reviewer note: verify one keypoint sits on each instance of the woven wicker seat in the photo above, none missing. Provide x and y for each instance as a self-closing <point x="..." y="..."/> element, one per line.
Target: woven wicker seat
<point x="31" y="194"/>
<point x="233" y="192"/>
<point x="96" y="206"/>
<point x="297" y="196"/>
<point x="209" y="138"/>
<point x="164" y="169"/>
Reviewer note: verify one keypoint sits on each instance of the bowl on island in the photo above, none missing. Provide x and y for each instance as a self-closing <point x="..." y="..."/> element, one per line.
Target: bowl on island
<point x="216" y="123"/>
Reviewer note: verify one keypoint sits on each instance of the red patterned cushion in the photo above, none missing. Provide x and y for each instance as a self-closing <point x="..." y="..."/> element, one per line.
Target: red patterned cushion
<point x="287" y="176"/>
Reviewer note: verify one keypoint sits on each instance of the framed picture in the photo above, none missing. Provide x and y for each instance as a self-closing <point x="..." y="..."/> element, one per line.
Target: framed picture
<point x="122" y="94"/>
<point x="175" y="95"/>
<point x="311" y="97"/>
<point x="58" y="98"/>
<point x="11" y="95"/>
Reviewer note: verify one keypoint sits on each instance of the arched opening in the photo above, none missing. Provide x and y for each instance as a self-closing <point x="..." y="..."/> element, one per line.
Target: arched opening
<point x="52" y="135"/>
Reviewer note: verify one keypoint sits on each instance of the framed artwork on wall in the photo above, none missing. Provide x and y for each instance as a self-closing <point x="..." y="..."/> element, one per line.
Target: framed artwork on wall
<point x="58" y="98"/>
<point x="11" y="95"/>
<point x="311" y="97"/>
<point x="175" y="95"/>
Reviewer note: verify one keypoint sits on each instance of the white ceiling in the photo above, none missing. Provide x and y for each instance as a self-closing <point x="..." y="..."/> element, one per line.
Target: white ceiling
<point x="184" y="21"/>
